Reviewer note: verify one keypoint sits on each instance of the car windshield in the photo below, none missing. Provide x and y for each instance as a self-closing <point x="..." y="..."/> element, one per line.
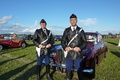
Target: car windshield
<point x="11" y="37"/>
<point x="91" y="37"/>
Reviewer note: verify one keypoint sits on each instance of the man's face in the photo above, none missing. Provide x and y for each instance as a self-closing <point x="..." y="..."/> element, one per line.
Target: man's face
<point x="43" y="25"/>
<point x="73" y="21"/>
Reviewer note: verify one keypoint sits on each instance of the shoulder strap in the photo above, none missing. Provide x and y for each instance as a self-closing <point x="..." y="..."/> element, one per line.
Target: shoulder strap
<point x="74" y="37"/>
<point x="47" y="38"/>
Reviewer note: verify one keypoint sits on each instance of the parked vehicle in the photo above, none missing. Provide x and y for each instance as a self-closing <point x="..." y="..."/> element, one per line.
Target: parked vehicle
<point x="57" y="37"/>
<point x="9" y="42"/>
<point x="1" y="36"/>
<point x="93" y="54"/>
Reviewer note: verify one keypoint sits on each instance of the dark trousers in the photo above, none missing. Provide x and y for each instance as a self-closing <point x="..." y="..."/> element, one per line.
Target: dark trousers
<point x="73" y="62"/>
<point x="43" y="59"/>
<point x="77" y="63"/>
<point x="46" y="60"/>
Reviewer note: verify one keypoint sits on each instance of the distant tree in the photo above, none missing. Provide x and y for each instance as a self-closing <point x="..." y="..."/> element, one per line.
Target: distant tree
<point x="110" y="34"/>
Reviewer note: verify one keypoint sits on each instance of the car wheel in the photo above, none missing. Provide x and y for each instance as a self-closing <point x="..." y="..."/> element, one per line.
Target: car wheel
<point x="23" y="45"/>
<point x="1" y="47"/>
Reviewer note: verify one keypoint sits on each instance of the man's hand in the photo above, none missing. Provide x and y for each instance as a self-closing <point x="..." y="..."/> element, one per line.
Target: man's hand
<point x="77" y="49"/>
<point x="68" y="49"/>
<point x="48" y="46"/>
<point x="41" y="46"/>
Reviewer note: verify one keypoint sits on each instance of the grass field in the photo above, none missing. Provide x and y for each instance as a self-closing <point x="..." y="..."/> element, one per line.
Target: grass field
<point x="20" y="64"/>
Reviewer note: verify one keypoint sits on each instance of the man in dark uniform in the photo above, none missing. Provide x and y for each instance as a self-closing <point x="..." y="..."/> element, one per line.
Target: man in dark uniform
<point x="43" y="39"/>
<point x="74" y="56"/>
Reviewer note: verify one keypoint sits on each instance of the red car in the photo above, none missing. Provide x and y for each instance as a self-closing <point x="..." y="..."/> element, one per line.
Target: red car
<point x="12" y="43"/>
<point x="93" y="54"/>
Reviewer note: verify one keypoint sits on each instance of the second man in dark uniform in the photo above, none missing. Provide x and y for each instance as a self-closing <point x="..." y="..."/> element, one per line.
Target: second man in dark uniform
<point x="74" y="56"/>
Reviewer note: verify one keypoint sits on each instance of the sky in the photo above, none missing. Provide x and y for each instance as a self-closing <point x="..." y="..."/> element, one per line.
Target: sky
<point x="23" y="16"/>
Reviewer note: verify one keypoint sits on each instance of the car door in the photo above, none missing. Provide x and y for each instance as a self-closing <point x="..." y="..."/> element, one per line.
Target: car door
<point x="15" y="43"/>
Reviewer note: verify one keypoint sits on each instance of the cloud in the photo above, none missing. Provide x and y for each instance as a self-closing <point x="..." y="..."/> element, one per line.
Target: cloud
<point x="56" y="30"/>
<point x="28" y="30"/>
<point x="5" y="19"/>
<point x="36" y="23"/>
<point x="24" y="29"/>
<point x="88" y="21"/>
<point x="17" y="27"/>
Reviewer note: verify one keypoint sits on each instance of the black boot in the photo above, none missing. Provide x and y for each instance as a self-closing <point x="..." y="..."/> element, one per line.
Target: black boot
<point x="38" y="72"/>
<point x="80" y="75"/>
<point x="69" y="75"/>
<point x="48" y="72"/>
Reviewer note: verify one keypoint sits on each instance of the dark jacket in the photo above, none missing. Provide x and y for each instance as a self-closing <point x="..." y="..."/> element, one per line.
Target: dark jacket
<point x="40" y="36"/>
<point x="80" y="41"/>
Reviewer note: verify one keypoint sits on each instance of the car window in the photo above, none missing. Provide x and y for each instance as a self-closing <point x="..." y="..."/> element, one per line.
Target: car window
<point x="91" y="37"/>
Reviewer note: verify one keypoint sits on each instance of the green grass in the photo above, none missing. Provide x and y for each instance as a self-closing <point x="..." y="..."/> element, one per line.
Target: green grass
<point x="20" y="64"/>
<point x="109" y="69"/>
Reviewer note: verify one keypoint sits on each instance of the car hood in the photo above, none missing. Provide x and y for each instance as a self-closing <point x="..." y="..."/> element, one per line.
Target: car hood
<point x="85" y="52"/>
